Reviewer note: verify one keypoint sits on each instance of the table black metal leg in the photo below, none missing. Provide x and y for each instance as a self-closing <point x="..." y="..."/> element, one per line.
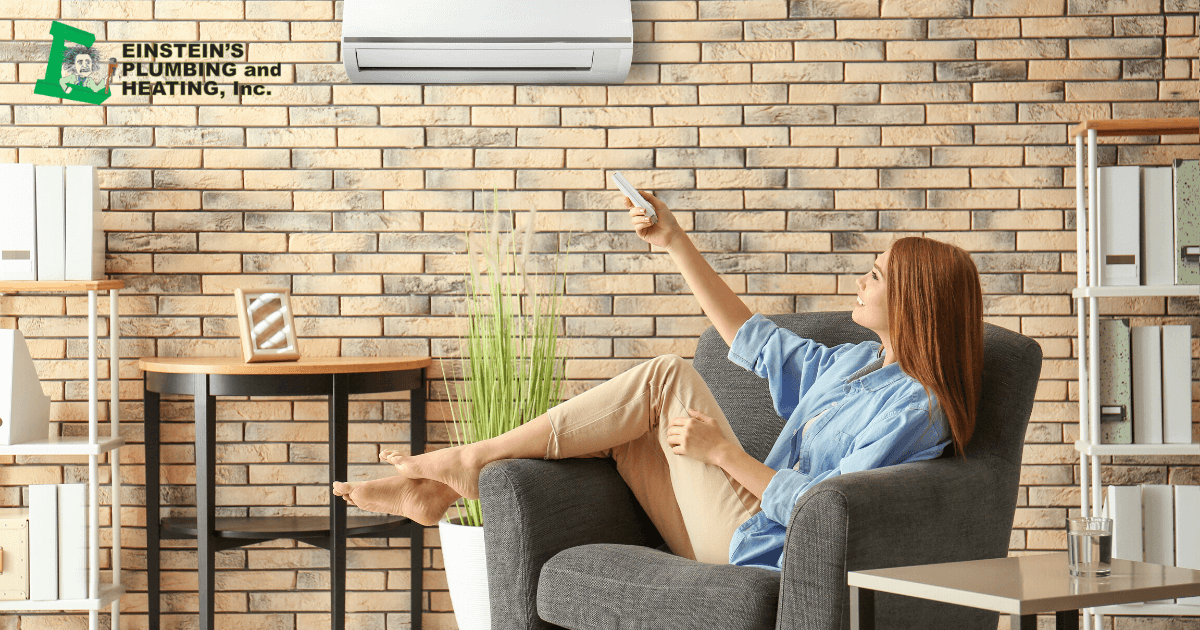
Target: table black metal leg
<point x="339" y="435"/>
<point x="1023" y="622"/>
<point x="151" y="413"/>
<point x="862" y="608"/>
<point x="206" y="506"/>
<point x="416" y="540"/>
<point x="1066" y="620"/>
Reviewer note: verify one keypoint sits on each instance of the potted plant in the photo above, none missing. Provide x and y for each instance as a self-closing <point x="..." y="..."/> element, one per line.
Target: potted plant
<point x="513" y="372"/>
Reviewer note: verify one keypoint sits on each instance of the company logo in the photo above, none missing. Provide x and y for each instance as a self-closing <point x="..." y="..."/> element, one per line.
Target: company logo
<point x="76" y="73"/>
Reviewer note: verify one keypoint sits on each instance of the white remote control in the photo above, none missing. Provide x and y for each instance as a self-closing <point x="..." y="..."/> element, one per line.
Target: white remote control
<point x="634" y="196"/>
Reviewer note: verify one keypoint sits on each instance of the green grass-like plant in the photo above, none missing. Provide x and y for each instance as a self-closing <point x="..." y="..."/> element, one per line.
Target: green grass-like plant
<point x="510" y="361"/>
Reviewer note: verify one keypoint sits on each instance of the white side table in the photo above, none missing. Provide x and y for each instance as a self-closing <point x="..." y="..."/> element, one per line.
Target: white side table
<point x="1021" y="587"/>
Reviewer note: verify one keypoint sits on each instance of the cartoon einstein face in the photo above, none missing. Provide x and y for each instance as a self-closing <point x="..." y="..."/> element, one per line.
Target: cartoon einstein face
<point x="84" y="64"/>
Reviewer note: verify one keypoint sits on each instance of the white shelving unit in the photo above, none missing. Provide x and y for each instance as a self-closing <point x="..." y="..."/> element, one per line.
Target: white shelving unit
<point x="1086" y="295"/>
<point x="93" y="446"/>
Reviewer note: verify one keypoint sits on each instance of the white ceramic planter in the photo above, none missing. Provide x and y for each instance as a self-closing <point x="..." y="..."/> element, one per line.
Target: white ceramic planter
<point x="466" y="574"/>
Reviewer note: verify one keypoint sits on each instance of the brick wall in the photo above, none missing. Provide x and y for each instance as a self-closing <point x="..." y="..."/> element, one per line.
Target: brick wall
<point x="792" y="139"/>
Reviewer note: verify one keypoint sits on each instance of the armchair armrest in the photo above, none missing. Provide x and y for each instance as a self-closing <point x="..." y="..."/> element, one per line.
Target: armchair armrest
<point x="534" y="509"/>
<point x="942" y="510"/>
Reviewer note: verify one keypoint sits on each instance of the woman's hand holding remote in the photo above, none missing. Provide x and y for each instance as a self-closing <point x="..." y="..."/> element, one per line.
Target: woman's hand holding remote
<point x="660" y="234"/>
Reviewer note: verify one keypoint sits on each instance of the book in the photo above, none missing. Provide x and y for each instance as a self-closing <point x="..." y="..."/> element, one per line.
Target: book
<point x="1158" y="522"/>
<point x="72" y="541"/>
<point x="51" y="223"/>
<point x="1116" y="383"/>
<point x="1177" y="384"/>
<point x="1187" y="221"/>
<point x="18" y="239"/>
<point x="43" y="541"/>
<point x="24" y="407"/>
<point x="85" y="229"/>
<point x="1145" y="344"/>
<point x="1123" y="504"/>
<point x="1119" y="204"/>
<point x="14" y="562"/>
<point x="1158" y="225"/>
<point x="1187" y="540"/>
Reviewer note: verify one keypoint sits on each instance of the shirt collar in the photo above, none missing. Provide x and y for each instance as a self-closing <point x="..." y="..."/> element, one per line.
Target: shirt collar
<point x="878" y="378"/>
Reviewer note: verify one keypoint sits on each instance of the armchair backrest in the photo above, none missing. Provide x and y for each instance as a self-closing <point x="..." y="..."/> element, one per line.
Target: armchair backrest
<point x="1011" y="368"/>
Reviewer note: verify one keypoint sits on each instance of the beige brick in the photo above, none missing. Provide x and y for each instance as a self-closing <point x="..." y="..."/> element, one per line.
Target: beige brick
<point x="708" y="31"/>
<point x="930" y="50"/>
<point x="1073" y="26"/>
<point x="927" y="135"/>
<point x="888" y="72"/>
<point x="924" y="178"/>
<point x="697" y="116"/>
<point x="890" y="157"/>
<point x="705" y="73"/>
<point x="977" y="156"/>
<point x="744" y="10"/>
<point x="1019" y="7"/>
<point x="925" y="92"/>
<point x="880" y="114"/>
<point x="925" y="8"/>
<point x="881" y="29"/>
<point x="1031" y="49"/>
<point x="990" y="28"/>
<point x="742" y="94"/>
<point x="835" y="178"/>
<point x="808" y="72"/>
<point x="745" y="51"/>
<point x="1109" y="7"/>
<point x="835" y="136"/>
<point x="833" y="8"/>
<point x="970" y="199"/>
<point x="912" y="220"/>
<point x="1116" y="48"/>
<point x="1020" y="134"/>
<point x="1112" y="90"/>
<point x="743" y="136"/>
<point x="838" y="51"/>
<point x="879" y="199"/>
<point x="790" y="29"/>
<point x="837" y="93"/>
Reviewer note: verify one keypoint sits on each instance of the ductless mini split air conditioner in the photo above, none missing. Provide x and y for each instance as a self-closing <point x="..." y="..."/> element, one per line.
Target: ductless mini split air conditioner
<point x="487" y="41"/>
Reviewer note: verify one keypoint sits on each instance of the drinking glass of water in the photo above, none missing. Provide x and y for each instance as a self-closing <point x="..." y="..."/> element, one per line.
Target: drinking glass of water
<point x="1089" y="546"/>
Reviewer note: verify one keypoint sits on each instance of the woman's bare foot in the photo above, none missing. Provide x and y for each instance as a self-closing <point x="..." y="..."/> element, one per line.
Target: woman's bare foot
<point x="456" y="467"/>
<point x="422" y="500"/>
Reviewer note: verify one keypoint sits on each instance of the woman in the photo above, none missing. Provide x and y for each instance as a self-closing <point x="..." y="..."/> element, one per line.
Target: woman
<point x="849" y="408"/>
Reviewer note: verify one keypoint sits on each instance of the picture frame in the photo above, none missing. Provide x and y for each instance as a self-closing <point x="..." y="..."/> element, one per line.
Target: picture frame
<point x="268" y="329"/>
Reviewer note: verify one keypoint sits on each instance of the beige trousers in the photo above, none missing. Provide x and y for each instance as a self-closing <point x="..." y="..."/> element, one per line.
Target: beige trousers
<point x="696" y="507"/>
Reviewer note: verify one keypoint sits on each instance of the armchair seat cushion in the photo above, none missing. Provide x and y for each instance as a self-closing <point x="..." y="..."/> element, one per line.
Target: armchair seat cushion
<point x="626" y="587"/>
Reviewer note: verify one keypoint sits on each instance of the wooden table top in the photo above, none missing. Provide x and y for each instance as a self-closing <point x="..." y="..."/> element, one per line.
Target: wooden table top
<point x="56" y="286"/>
<point x="1027" y="585"/>
<point x="306" y="365"/>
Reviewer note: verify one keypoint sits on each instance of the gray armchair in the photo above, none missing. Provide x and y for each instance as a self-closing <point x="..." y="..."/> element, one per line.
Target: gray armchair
<point x="568" y="546"/>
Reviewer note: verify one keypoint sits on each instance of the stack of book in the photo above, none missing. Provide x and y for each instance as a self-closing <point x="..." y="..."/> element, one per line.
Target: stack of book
<point x="53" y="228"/>
<point x="1148" y="225"/>
<point x="58" y="547"/>
<point x="1145" y="383"/>
<point x="1157" y="524"/>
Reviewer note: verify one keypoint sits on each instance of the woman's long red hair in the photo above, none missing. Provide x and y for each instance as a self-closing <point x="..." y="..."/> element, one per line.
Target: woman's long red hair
<point x="935" y="319"/>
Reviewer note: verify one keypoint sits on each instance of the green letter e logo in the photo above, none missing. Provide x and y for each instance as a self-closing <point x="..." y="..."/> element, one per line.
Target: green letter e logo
<point x="85" y="82"/>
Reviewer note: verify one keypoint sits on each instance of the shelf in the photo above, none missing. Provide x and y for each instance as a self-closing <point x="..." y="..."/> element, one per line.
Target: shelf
<point x="67" y="286"/>
<point x="75" y="445"/>
<point x="1087" y="448"/>
<point x="1182" y="610"/>
<point x="1139" y="127"/>
<point x="258" y="528"/>
<point x="1176" y="290"/>
<point x="108" y="594"/>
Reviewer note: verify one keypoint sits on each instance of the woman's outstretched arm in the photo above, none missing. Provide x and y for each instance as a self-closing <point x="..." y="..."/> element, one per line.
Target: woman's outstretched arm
<point x="722" y="306"/>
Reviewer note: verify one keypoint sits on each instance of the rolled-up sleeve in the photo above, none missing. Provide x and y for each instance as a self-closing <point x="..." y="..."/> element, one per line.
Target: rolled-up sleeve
<point x="789" y="362"/>
<point x="907" y="436"/>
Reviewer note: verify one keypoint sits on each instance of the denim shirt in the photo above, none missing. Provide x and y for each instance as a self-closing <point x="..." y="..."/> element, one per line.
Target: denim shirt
<point x="869" y="417"/>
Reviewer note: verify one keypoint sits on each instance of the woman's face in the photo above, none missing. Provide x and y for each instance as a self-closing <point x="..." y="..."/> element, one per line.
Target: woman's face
<point x="870" y="310"/>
